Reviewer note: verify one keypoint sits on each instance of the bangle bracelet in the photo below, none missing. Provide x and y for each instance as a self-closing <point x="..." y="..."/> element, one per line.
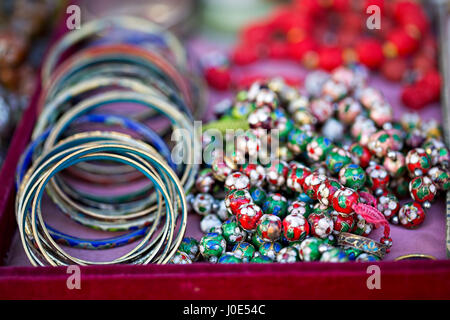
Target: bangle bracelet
<point x="98" y="26"/>
<point x="34" y="187"/>
<point x="364" y="244"/>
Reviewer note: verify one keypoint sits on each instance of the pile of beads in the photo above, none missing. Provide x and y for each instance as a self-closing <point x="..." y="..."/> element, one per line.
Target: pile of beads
<point x="329" y="34"/>
<point x="327" y="184"/>
<point x="106" y="112"/>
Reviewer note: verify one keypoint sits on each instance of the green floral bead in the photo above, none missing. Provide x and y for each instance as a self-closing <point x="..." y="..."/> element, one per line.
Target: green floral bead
<point x="232" y="232"/>
<point x="259" y="195"/>
<point x="180" y="258"/>
<point x="352" y="176"/>
<point x="337" y="159"/>
<point x="298" y="140"/>
<point x="257" y="240"/>
<point x="334" y="255"/>
<point x="190" y="246"/>
<point x="244" y="250"/>
<point x="275" y="204"/>
<point x="242" y="109"/>
<point x="259" y="258"/>
<point x="270" y="249"/>
<point x="318" y="148"/>
<point x="212" y="246"/>
<point x="352" y="253"/>
<point x="309" y="249"/>
<point x="229" y="258"/>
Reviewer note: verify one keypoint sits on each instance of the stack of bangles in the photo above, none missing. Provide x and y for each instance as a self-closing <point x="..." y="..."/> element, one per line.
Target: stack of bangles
<point x="338" y="169"/>
<point x="106" y="111"/>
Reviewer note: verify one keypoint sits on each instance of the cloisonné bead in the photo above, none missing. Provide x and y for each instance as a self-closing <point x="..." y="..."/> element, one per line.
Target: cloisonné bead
<point x="256" y="240"/>
<point x="241" y="109"/>
<point x="333" y="129"/>
<point x="361" y="154"/>
<point x="276" y="173"/>
<point x="261" y="118"/>
<point x="362" y="129"/>
<point x="326" y="191"/>
<point x="441" y="177"/>
<point x="244" y="251"/>
<point x="352" y="253"/>
<point x="282" y="123"/>
<point x="309" y="249"/>
<point x="368" y="96"/>
<point x="237" y="181"/>
<point x="295" y="227"/>
<point x="212" y="246"/>
<point x="352" y="176"/>
<point x="381" y="113"/>
<point x="333" y="90"/>
<point x="255" y="172"/>
<point x="288" y="255"/>
<point x="222" y="211"/>
<point x="321" y="109"/>
<point x="270" y="249"/>
<point x="190" y="246"/>
<point x="366" y="257"/>
<point x="302" y="117"/>
<point x="312" y="183"/>
<point x="343" y="223"/>
<point x="377" y="178"/>
<point x="318" y="148"/>
<point x="321" y="225"/>
<point x="422" y="189"/>
<point x="380" y="143"/>
<point x="266" y="97"/>
<point x="388" y="204"/>
<point x="248" y="216"/>
<point x="259" y="258"/>
<point x="205" y="181"/>
<point x="337" y="158"/>
<point x="334" y="255"/>
<point x="298" y="139"/>
<point x="296" y="177"/>
<point x="237" y="198"/>
<point x="300" y="208"/>
<point x="344" y="199"/>
<point x="394" y="163"/>
<point x="299" y="102"/>
<point x="314" y="82"/>
<point x="417" y="162"/>
<point x="259" y="195"/>
<point x="210" y="221"/>
<point x="414" y="138"/>
<point x="411" y="215"/>
<point x="248" y="143"/>
<point x="348" y="109"/>
<point x="432" y="147"/>
<point x="275" y="204"/>
<point x="203" y="203"/>
<point x="229" y="258"/>
<point x="180" y="258"/>
<point x="269" y="228"/>
<point x="362" y="227"/>
<point x="232" y="232"/>
<point x="220" y="169"/>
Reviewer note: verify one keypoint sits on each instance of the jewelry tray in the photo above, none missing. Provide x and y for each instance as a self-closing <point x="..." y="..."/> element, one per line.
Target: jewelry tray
<point x="401" y="279"/>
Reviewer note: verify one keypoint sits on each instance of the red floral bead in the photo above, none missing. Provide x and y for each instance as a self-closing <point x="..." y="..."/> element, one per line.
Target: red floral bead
<point x="295" y="227"/>
<point x="344" y="199"/>
<point x="248" y="216"/>
<point x="411" y="215"/>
